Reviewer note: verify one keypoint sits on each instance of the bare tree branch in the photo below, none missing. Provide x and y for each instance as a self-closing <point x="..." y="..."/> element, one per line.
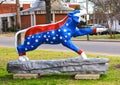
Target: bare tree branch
<point x="110" y="8"/>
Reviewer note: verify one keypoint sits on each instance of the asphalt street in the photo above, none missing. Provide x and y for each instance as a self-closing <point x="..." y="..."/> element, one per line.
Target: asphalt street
<point x="101" y="47"/>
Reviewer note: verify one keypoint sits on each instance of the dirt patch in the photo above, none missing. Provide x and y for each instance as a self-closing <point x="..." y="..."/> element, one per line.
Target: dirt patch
<point x="9" y="34"/>
<point x="117" y="66"/>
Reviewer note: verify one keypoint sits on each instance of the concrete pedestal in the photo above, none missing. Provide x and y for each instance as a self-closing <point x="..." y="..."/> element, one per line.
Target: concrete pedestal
<point x="70" y="66"/>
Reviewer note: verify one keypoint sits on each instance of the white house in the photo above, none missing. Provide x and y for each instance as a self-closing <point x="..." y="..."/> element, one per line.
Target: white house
<point x="116" y="23"/>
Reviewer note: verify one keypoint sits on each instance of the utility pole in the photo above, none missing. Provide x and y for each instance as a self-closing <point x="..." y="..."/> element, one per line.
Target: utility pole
<point x="87" y="17"/>
<point x="18" y="21"/>
<point x="48" y="11"/>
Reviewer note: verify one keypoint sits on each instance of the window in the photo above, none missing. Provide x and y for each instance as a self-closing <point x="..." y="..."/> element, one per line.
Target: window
<point x="119" y="22"/>
<point x="21" y="8"/>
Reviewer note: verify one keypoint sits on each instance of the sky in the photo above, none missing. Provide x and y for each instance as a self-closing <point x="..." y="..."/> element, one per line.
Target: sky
<point x="83" y="5"/>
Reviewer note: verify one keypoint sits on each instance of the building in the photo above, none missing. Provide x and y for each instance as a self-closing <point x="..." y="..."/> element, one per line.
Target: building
<point x="8" y="15"/>
<point x="100" y="18"/>
<point x="116" y="23"/>
<point x="33" y="15"/>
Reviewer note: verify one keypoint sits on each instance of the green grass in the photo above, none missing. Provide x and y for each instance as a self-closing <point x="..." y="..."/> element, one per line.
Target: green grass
<point x="117" y="36"/>
<point x="112" y="77"/>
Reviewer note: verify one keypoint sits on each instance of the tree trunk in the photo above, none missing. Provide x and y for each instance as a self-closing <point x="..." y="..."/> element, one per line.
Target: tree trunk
<point x="110" y="27"/>
<point x="18" y="22"/>
<point x="48" y="11"/>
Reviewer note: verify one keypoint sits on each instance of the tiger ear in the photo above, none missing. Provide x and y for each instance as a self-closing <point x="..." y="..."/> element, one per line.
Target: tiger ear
<point x="74" y="12"/>
<point x="70" y="14"/>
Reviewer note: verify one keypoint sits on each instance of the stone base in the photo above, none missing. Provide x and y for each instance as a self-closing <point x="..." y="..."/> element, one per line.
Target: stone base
<point x="35" y="76"/>
<point x="70" y="66"/>
<point x="87" y="76"/>
<point x="25" y="76"/>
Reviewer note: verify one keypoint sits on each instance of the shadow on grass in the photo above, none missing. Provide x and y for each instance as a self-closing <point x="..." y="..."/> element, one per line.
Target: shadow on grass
<point x="57" y="76"/>
<point x="9" y="76"/>
<point x="103" y="76"/>
<point x="6" y="77"/>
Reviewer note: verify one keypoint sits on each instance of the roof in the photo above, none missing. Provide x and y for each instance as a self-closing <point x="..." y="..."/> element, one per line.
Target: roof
<point x="7" y="14"/>
<point x="56" y="5"/>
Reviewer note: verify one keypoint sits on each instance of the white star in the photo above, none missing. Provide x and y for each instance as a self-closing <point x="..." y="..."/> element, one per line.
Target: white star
<point x="26" y="49"/>
<point x="36" y="40"/>
<point x="60" y="37"/>
<point x="32" y="46"/>
<point x="47" y="39"/>
<point x="51" y="42"/>
<point x="65" y="36"/>
<point x="32" y="36"/>
<point x="54" y="38"/>
<point x="57" y="35"/>
<point x="59" y="30"/>
<point x="44" y="36"/>
<point x="39" y="36"/>
<point x="65" y="40"/>
<point x="69" y="33"/>
<point x="47" y="32"/>
<point x="28" y="43"/>
<point x="53" y="32"/>
<point x="65" y="30"/>
<point x="28" y="38"/>
<point x="67" y="24"/>
<point x="49" y="36"/>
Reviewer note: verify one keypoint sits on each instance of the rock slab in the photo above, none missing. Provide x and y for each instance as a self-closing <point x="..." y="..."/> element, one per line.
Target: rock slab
<point x="70" y="66"/>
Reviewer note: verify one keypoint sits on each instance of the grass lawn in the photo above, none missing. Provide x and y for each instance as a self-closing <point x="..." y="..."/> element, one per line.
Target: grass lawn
<point x="116" y="37"/>
<point x="112" y="77"/>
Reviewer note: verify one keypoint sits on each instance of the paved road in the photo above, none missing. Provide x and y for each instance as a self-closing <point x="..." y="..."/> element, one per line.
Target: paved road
<point x="109" y="48"/>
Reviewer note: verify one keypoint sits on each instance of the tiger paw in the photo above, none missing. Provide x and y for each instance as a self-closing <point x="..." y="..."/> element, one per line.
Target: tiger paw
<point x="23" y="58"/>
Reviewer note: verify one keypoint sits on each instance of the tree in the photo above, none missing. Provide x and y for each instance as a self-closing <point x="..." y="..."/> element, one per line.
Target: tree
<point x="48" y="11"/>
<point x="109" y="8"/>
<point x="18" y="21"/>
<point x="77" y="7"/>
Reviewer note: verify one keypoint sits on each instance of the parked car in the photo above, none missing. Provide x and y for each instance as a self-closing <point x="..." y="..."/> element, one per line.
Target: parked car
<point x="99" y="26"/>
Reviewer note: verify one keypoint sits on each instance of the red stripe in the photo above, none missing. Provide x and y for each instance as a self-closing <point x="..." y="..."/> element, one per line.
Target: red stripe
<point x="80" y="51"/>
<point x="38" y="28"/>
<point x="21" y="54"/>
<point x="94" y="30"/>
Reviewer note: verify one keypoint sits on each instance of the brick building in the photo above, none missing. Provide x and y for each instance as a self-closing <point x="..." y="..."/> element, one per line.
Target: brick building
<point x="31" y="15"/>
<point x="8" y="15"/>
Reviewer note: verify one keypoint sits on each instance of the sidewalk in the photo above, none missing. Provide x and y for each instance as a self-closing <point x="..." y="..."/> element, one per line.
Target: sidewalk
<point x="97" y="40"/>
